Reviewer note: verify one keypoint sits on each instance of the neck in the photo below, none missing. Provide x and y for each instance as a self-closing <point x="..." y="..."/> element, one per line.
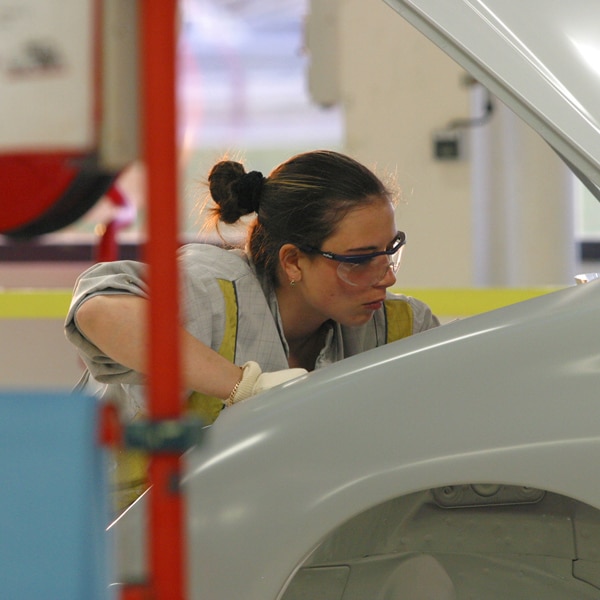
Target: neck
<point x="303" y="351"/>
<point x="303" y="331"/>
<point x="298" y="322"/>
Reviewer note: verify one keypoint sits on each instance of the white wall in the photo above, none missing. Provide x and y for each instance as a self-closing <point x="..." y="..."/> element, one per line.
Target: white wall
<point x="34" y="355"/>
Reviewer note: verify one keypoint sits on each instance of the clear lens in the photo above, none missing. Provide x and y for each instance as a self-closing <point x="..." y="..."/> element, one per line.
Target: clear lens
<point x="369" y="272"/>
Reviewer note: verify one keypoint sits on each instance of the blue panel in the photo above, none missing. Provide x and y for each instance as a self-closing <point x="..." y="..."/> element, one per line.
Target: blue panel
<point x="53" y="499"/>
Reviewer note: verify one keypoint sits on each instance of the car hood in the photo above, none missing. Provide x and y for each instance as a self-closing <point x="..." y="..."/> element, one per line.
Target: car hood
<point x="545" y="67"/>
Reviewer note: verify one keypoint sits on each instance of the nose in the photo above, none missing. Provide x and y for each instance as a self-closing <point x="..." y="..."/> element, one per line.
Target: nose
<point x="388" y="279"/>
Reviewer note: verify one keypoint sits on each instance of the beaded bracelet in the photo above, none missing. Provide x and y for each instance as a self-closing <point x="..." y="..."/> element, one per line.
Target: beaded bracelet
<point x="229" y="400"/>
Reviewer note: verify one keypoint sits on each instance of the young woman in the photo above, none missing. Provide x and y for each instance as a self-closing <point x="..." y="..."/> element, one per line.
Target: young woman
<point x="309" y="289"/>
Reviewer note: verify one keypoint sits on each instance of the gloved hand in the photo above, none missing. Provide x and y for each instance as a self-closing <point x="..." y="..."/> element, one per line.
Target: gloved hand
<point x="254" y="381"/>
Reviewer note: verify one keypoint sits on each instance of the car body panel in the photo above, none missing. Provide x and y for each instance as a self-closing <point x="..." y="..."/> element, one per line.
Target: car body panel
<point x="281" y="471"/>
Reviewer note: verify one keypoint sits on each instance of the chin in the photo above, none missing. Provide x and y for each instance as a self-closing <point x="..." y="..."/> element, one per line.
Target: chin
<point x="356" y="320"/>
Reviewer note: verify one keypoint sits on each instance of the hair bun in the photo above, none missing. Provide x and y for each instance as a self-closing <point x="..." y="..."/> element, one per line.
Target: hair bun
<point x="248" y="189"/>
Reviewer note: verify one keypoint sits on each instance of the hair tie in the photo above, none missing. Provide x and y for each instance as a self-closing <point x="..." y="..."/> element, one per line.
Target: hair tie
<point x="248" y="189"/>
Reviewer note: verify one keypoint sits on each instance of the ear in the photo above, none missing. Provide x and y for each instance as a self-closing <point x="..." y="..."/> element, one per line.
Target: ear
<point x="288" y="260"/>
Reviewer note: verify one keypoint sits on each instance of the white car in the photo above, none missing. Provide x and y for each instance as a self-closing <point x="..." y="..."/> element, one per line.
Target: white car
<point x="458" y="463"/>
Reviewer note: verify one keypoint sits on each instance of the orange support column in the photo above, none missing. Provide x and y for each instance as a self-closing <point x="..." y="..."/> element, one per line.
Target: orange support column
<point x="159" y="130"/>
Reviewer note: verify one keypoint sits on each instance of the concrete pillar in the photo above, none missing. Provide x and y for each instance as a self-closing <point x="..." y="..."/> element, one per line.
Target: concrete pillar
<point x="523" y="207"/>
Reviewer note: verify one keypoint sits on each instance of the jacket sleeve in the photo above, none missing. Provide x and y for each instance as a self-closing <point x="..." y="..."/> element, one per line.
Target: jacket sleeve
<point x="119" y="277"/>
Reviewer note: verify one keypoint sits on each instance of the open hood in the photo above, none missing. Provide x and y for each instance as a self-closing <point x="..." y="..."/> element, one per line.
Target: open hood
<point x="540" y="57"/>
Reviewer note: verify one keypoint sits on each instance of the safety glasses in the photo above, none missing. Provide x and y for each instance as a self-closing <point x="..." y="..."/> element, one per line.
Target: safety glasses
<point x="365" y="269"/>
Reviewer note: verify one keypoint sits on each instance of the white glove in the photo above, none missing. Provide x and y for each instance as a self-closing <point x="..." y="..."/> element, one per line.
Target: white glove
<point x="254" y="381"/>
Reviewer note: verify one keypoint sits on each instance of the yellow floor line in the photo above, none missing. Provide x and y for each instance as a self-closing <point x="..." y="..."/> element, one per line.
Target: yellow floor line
<point x="34" y="304"/>
<point x="457" y="302"/>
<point x="463" y="302"/>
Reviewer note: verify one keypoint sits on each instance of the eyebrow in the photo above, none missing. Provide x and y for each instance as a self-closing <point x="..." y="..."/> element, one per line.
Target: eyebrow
<point x="366" y="249"/>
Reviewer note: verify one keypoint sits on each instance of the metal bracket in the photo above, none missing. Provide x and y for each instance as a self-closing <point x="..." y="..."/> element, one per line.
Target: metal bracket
<point x="167" y="435"/>
<point x="485" y="494"/>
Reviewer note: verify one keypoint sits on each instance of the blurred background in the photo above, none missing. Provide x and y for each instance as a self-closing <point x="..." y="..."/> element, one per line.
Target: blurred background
<point x="485" y="203"/>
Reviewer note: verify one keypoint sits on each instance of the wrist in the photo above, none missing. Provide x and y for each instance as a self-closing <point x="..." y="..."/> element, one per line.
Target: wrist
<point x="234" y="390"/>
<point x="243" y="389"/>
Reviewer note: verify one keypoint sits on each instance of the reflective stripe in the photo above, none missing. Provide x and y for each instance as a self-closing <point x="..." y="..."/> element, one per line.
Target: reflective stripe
<point x="227" y="349"/>
<point x="129" y="478"/>
<point x="131" y="473"/>
<point x="206" y="407"/>
<point x="398" y="320"/>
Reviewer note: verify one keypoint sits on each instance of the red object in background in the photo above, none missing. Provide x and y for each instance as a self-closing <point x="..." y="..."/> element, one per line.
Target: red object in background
<point x="41" y="193"/>
<point x="108" y="248"/>
<point x="31" y="184"/>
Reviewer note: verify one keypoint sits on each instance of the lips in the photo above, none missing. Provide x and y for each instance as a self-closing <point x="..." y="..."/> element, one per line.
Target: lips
<point x="375" y="305"/>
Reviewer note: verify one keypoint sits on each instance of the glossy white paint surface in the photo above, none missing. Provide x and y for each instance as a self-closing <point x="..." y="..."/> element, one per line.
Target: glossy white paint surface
<point x="510" y="396"/>
<point x="541" y="58"/>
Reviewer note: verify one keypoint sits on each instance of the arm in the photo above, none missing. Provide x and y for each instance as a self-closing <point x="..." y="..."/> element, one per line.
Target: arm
<point x="117" y="324"/>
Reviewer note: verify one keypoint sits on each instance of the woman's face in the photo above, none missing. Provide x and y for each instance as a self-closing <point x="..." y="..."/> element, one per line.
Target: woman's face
<point x="363" y="230"/>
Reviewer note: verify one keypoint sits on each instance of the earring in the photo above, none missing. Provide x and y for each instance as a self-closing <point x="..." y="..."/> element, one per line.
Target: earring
<point x="292" y="283"/>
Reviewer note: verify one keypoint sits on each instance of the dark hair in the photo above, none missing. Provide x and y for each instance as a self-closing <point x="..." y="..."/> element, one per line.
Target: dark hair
<point x="301" y="202"/>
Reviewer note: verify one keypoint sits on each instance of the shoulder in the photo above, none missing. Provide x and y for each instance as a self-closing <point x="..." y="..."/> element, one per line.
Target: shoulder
<point x="205" y="260"/>
<point x="421" y="316"/>
<point x="210" y="272"/>
<point x="118" y="277"/>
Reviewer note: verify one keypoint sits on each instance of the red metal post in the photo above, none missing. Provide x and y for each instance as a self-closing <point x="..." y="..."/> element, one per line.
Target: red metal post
<point x="159" y="130"/>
